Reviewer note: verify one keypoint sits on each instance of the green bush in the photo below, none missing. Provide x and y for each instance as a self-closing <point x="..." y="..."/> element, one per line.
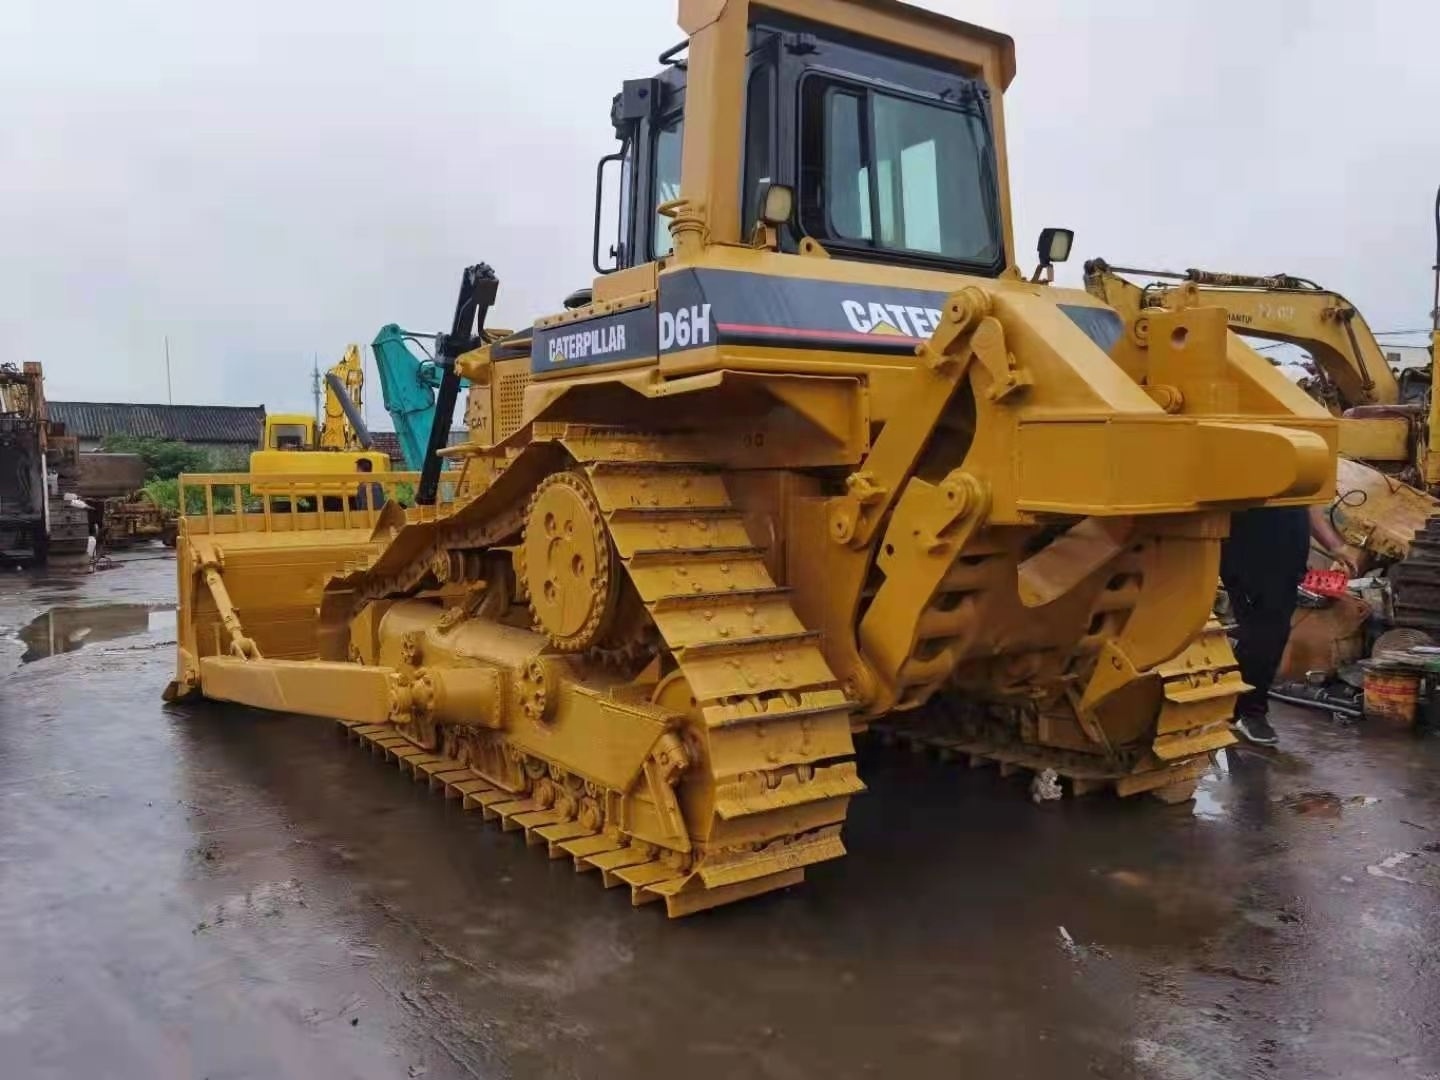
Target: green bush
<point x="229" y="460"/>
<point x="166" y="495"/>
<point x="164" y="460"/>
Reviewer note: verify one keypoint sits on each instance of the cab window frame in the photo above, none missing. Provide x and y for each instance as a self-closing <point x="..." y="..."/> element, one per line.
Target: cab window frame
<point x="763" y="78"/>
<point x="672" y="122"/>
<point x="814" y="218"/>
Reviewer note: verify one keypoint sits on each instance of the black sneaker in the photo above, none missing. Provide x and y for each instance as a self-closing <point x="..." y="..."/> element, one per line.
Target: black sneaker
<point x="1257" y="730"/>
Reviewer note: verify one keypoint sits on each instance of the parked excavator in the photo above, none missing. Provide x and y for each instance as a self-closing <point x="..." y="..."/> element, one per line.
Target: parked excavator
<point x="809" y="452"/>
<point x="408" y="384"/>
<point x="293" y="445"/>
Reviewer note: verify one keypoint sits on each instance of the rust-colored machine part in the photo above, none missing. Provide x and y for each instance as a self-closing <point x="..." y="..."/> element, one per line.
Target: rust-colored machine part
<point x="776" y="477"/>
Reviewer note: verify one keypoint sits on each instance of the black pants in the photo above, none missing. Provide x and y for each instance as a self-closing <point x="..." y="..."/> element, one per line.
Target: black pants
<point x="1261" y="565"/>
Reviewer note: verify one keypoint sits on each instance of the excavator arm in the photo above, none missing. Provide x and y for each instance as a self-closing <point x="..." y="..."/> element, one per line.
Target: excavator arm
<point x="1276" y="308"/>
<point x="408" y="385"/>
<point x="342" y="428"/>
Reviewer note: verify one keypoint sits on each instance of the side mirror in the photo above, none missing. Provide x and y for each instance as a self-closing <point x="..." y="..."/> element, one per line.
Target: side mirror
<point x="1054" y="247"/>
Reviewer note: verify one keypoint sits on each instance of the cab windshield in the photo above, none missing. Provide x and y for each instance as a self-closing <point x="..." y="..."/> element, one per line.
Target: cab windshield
<point x="288" y="437"/>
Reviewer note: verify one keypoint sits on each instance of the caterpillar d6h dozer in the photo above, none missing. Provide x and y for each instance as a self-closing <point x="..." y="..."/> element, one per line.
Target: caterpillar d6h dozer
<point x="810" y="452"/>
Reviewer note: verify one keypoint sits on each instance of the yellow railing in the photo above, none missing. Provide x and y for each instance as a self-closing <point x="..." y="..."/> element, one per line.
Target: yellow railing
<point x="212" y="503"/>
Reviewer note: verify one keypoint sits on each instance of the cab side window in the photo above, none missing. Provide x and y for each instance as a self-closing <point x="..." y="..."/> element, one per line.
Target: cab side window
<point x="666" y="180"/>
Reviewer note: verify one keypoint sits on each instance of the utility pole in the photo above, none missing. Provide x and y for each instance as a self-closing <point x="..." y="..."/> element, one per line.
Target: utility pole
<point x="315" y="387"/>
<point x="169" y="395"/>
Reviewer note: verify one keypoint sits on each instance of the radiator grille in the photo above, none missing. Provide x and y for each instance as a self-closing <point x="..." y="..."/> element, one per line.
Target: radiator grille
<point x="511" y="398"/>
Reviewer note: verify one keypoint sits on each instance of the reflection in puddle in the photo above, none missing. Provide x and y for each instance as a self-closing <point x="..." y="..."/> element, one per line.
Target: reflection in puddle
<point x="1207" y="805"/>
<point x="1207" y="802"/>
<point x="65" y="629"/>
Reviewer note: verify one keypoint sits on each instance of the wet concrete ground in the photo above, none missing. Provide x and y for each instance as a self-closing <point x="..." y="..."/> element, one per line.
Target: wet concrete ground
<point x="214" y="892"/>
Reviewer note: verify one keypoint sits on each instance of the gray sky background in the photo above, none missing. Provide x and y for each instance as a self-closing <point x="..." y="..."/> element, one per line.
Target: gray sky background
<point x="268" y="181"/>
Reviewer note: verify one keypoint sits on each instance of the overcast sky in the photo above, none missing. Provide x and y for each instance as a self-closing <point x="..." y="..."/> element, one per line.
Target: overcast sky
<point x="267" y="181"/>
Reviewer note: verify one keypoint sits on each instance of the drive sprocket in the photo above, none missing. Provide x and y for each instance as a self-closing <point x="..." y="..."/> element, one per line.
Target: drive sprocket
<point x="568" y="564"/>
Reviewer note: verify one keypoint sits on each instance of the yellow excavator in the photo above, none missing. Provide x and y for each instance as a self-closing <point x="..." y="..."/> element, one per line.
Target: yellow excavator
<point x="809" y="452"/>
<point x="292" y="445"/>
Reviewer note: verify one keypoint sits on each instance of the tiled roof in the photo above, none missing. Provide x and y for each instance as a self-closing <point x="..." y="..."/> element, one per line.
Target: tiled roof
<point x="389" y="443"/>
<point x="240" y="424"/>
<point x="184" y="423"/>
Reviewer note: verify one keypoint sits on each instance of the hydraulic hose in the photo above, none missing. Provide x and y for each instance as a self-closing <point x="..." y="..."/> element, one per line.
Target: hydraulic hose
<point x="347" y="406"/>
<point x="478" y="286"/>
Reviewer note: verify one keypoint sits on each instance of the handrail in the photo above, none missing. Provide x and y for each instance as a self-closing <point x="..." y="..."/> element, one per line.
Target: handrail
<point x="340" y="478"/>
<point x="292" y="502"/>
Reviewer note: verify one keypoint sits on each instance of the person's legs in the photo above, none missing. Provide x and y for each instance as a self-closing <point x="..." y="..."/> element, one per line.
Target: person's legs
<point x="1259" y="652"/>
<point x="1261" y="566"/>
<point x="1254" y="647"/>
<point x="1236" y="568"/>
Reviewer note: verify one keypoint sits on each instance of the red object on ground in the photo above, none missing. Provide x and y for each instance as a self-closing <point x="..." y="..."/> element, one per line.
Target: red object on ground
<point x="1326" y="582"/>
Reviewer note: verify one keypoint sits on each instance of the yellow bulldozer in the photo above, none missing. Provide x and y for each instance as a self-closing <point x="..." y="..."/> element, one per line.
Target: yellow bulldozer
<point x="810" y="452"/>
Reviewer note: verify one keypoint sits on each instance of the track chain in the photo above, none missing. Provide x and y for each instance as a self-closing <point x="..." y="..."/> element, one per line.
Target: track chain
<point x="1198" y="688"/>
<point x="773" y="770"/>
<point x="1415" y="582"/>
<point x="777" y="722"/>
<point x="640" y="866"/>
<point x="980" y="734"/>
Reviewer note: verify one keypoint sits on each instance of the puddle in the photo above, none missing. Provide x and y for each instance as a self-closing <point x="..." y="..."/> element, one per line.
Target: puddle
<point x="1207" y="803"/>
<point x="1411" y="867"/>
<point x="65" y="629"/>
<point x="70" y="584"/>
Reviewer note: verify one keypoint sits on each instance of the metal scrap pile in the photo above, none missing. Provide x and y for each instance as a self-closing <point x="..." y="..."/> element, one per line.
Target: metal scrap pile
<point x="1392" y="608"/>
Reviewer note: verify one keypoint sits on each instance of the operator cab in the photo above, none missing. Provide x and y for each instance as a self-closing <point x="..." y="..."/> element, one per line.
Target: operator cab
<point x="289" y="432"/>
<point x="888" y="155"/>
